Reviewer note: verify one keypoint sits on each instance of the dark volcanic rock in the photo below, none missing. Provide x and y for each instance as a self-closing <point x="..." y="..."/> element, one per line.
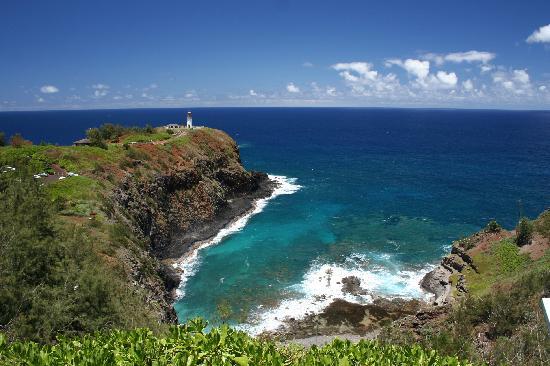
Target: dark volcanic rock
<point x="352" y="285"/>
<point x="342" y="316"/>
<point x="341" y="311"/>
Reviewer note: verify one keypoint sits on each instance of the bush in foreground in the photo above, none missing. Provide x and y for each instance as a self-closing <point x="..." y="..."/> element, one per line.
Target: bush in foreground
<point x="190" y="345"/>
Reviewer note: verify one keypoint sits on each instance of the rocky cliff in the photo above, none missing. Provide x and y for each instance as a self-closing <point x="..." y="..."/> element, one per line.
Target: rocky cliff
<point x="143" y="198"/>
<point x="176" y="194"/>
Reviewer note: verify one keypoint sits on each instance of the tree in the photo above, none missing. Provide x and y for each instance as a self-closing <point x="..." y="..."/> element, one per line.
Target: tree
<point x="18" y="141"/>
<point x="524" y="232"/>
<point x="109" y="131"/>
<point x="493" y="227"/>
<point x="2" y="139"/>
<point x="51" y="281"/>
<point x="95" y="137"/>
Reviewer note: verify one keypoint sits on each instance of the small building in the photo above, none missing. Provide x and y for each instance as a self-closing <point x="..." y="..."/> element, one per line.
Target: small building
<point x="82" y="142"/>
<point x="173" y="126"/>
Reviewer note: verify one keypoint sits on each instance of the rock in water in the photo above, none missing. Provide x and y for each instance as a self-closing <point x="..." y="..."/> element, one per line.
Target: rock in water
<point x="352" y="285"/>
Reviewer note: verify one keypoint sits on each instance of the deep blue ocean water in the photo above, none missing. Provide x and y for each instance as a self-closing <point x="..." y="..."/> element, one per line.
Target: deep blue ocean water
<point x="383" y="193"/>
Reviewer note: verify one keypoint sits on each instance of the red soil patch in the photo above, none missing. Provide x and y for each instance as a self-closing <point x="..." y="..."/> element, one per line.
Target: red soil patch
<point x="538" y="246"/>
<point x="484" y="241"/>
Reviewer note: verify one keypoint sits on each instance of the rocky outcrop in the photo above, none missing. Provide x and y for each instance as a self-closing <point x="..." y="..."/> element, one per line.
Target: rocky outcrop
<point x="352" y="285"/>
<point x="174" y="197"/>
<point x="439" y="282"/>
<point x="344" y="317"/>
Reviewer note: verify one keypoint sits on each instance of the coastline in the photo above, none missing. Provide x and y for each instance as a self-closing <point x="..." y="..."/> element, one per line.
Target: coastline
<point x="231" y="220"/>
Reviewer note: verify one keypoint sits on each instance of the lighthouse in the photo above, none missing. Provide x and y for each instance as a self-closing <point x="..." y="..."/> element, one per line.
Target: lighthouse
<point x="189" y="120"/>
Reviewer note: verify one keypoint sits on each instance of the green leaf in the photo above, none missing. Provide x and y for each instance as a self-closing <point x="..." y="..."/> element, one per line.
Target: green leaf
<point x="241" y="361"/>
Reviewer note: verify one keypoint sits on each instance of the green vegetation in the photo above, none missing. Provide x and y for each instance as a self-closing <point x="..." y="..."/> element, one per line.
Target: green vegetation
<point x="542" y="224"/>
<point x="18" y="141"/>
<point x="96" y="138"/>
<point x="524" y="232"/>
<point x="510" y="316"/>
<point x="502" y="263"/>
<point x="2" y="139"/>
<point x="191" y="345"/>
<point x="147" y="137"/>
<point x="493" y="227"/>
<point x="509" y="259"/>
<point x="500" y="321"/>
<point x="53" y="279"/>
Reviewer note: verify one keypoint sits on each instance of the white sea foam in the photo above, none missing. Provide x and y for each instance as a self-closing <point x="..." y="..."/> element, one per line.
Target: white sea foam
<point x="190" y="263"/>
<point x="323" y="283"/>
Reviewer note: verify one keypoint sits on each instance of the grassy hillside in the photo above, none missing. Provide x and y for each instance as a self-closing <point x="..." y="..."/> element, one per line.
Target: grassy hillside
<point x="499" y="320"/>
<point x="70" y="261"/>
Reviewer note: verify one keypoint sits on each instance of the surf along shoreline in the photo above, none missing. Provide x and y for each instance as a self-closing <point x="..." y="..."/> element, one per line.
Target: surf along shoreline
<point x="233" y="219"/>
<point x="339" y="317"/>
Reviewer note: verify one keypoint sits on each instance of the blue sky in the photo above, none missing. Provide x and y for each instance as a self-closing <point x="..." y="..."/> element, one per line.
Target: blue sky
<point x="116" y="54"/>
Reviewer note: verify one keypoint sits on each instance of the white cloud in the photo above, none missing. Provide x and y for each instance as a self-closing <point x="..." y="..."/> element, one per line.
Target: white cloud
<point x="364" y="80"/>
<point x="541" y="35"/>
<point x="542" y="88"/>
<point x="486" y="68"/>
<point x="363" y="69"/>
<point x="419" y="69"/>
<point x="468" y="85"/>
<point x="192" y="95"/>
<point x="307" y="64"/>
<point x="447" y="80"/>
<point x="515" y="81"/>
<point x="291" y="88"/>
<point x="49" y="89"/>
<point x="100" y="86"/>
<point x="101" y="90"/>
<point x="459" y="57"/>
<point x="438" y="59"/>
<point x="470" y="56"/>
<point x="252" y="93"/>
<point x="323" y="92"/>
<point x="521" y="76"/>
<point x="40" y="100"/>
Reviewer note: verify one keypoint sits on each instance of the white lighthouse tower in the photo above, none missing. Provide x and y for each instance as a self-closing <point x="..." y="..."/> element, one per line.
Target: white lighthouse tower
<point x="189" y="120"/>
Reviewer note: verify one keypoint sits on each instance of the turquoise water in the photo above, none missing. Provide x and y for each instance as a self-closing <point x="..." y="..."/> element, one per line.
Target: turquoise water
<point x="383" y="193"/>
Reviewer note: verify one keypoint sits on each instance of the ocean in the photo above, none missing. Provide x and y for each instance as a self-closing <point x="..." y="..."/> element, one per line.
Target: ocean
<point x="376" y="193"/>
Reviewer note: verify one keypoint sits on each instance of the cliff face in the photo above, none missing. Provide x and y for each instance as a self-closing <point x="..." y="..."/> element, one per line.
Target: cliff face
<point x="202" y="188"/>
<point x="175" y="194"/>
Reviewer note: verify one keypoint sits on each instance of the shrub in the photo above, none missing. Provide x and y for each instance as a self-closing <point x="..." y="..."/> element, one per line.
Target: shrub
<point x="136" y="154"/>
<point x="52" y="279"/>
<point x="170" y="132"/>
<point x="542" y="224"/>
<point x="18" y="141"/>
<point x="524" y="232"/>
<point x="95" y="137"/>
<point x="111" y="131"/>
<point x="493" y="227"/>
<point x="191" y="344"/>
<point x="149" y="129"/>
<point x="2" y="139"/>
